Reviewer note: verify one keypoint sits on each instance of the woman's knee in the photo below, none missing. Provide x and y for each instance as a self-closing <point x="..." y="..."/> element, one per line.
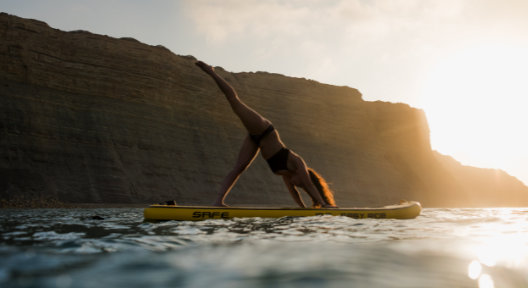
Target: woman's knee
<point x="239" y="168"/>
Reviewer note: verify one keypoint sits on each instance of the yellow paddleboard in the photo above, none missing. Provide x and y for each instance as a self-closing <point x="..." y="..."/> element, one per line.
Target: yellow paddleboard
<point x="406" y="210"/>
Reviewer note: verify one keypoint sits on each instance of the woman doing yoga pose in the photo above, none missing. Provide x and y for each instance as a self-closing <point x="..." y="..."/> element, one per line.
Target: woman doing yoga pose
<point x="265" y="138"/>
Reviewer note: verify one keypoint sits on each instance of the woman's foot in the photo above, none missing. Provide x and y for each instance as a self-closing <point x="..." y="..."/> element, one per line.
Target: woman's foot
<point x="204" y="66"/>
<point x="220" y="204"/>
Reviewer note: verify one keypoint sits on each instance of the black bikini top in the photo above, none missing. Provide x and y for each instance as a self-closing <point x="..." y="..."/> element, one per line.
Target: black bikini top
<point x="279" y="161"/>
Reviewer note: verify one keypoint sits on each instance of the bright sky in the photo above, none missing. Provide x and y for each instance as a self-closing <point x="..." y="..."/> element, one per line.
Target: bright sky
<point x="465" y="62"/>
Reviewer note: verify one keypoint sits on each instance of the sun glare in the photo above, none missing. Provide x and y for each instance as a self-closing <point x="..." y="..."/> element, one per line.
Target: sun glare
<point x="475" y="101"/>
<point x="504" y="251"/>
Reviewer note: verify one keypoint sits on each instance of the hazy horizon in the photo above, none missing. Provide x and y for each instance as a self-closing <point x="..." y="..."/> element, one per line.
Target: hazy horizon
<point x="463" y="62"/>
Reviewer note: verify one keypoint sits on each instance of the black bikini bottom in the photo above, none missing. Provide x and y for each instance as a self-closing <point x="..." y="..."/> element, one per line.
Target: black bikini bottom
<point x="257" y="138"/>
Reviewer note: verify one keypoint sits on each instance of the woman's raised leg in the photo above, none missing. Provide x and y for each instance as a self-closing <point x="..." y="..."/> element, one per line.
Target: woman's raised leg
<point x="252" y="120"/>
<point x="247" y="154"/>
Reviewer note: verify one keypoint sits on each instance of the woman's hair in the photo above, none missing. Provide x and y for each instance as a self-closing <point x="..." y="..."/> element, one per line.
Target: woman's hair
<point x="322" y="188"/>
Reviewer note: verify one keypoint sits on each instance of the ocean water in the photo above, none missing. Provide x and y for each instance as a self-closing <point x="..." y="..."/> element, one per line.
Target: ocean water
<point x="115" y="248"/>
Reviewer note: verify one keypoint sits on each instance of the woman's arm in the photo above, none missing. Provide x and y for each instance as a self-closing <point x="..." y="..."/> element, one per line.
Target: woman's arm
<point x="293" y="191"/>
<point x="301" y="178"/>
<point x="310" y="188"/>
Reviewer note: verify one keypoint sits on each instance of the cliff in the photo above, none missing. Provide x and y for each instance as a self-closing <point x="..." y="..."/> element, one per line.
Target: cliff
<point x="90" y="118"/>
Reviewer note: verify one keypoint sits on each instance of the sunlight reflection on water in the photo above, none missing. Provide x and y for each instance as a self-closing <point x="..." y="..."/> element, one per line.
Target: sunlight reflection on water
<point x="506" y="251"/>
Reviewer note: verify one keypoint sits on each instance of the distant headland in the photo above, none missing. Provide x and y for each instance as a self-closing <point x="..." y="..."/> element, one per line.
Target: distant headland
<point x="87" y="118"/>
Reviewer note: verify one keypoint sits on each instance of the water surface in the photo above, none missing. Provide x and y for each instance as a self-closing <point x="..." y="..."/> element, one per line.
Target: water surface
<point x="115" y="248"/>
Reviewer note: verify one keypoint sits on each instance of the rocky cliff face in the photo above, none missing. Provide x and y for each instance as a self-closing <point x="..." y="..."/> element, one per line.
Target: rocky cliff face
<point x="89" y="118"/>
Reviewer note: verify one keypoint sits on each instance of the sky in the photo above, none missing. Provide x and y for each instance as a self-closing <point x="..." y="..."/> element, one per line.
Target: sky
<point x="464" y="62"/>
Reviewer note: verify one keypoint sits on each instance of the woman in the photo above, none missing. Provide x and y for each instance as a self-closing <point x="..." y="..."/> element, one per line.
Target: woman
<point x="282" y="161"/>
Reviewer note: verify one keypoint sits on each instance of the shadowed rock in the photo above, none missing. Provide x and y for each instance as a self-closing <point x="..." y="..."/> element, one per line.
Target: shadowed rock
<point x="90" y="118"/>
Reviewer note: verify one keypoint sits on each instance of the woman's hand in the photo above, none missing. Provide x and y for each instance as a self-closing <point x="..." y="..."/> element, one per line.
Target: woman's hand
<point x="205" y="67"/>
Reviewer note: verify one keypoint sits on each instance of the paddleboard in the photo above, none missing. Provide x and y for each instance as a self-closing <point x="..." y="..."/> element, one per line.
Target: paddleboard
<point x="156" y="212"/>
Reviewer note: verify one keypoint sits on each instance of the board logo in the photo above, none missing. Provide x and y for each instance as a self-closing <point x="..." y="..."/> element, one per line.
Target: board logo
<point x="210" y="215"/>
